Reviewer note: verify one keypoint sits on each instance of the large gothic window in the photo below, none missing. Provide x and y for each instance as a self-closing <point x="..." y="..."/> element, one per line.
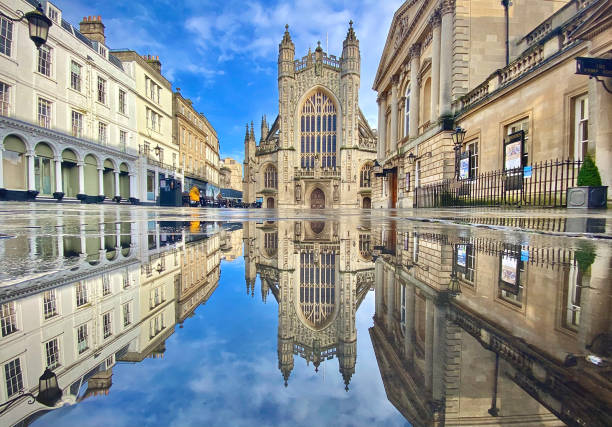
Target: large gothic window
<point x="270" y="177"/>
<point x="317" y="286"/>
<point x="366" y="173"/>
<point x="318" y="132"/>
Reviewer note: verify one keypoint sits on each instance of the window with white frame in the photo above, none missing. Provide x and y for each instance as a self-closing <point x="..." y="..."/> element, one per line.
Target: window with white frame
<point x="44" y="113"/>
<point x="4" y="99"/>
<point x="107" y="327"/>
<point x="106" y="285"/>
<point x="127" y="313"/>
<point x="581" y="126"/>
<point x="13" y="376"/>
<point x="50" y="304"/>
<point x="101" y="90"/>
<point x="82" y="296"/>
<point x="82" y="338"/>
<point x="472" y="150"/>
<point x="156" y="325"/>
<point x="53" y="353"/>
<point x="44" y="60"/>
<point x="122" y="101"/>
<point x="8" y="318"/>
<point x="123" y="140"/>
<point x="6" y="36"/>
<point x="102" y="132"/>
<point x="103" y="51"/>
<point x="156" y="297"/>
<point x="53" y="14"/>
<point x="75" y="75"/>
<point x="77" y="124"/>
<point x="153" y="89"/>
<point x="153" y="120"/>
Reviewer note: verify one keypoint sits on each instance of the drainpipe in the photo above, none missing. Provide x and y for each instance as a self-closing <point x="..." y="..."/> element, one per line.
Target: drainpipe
<point x="506" y="4"/>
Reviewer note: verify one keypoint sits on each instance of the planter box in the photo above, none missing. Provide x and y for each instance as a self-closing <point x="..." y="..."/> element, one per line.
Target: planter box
<point x="587" y="197"/>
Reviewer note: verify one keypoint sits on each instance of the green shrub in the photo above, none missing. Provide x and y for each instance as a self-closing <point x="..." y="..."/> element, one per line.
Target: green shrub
<point x="589" y="174"/>
<point x="585" y="256"/>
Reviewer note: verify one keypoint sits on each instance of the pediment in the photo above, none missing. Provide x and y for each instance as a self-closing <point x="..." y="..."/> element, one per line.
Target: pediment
<point x="599" y="19"/>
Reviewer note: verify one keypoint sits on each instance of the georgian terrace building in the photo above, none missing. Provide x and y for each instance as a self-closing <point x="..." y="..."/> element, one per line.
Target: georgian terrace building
<point x="67" y="113"/>
<point x="437" y="56"/>
<point x="198" y="147"/>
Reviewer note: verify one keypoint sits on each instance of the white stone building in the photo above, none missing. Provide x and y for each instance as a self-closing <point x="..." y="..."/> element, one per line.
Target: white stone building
<point x="67" y="113"/>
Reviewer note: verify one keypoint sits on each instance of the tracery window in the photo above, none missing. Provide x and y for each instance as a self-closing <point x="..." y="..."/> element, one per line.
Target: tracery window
<point x="366" y="173"/>
<point x="317" y="286"/>
<point x="271" y="244"/>
<point x="318" y="132"/>
<point x="271" y="177"/>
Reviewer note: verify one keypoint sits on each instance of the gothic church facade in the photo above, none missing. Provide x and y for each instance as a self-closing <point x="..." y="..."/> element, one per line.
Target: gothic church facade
<point x="319" y="152"/>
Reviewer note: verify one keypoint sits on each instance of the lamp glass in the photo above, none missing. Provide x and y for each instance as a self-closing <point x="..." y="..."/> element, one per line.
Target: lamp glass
<point x="49" y="392"/>
<point x="38" y="25"/>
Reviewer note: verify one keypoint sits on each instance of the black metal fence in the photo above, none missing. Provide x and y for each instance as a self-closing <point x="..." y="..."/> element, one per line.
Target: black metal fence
<point x="542" y="184"/>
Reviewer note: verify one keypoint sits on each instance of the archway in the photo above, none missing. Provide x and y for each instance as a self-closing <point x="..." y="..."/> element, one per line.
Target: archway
<point x="70" y="173"/>
<point x="14" y="164"/>
<point x="124" y="181"/>
<point x="91" y="176"/>
<point x="44" y="169"/>
<point x="108" y="178"/>
<point x="317" y="199"/>
<point x="270" y="203"/>
<point x="367" y="203"/>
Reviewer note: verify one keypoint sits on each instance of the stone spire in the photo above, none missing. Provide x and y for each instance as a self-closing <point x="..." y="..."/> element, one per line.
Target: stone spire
<point x="264" y="128"/>
<point x="246" y="137"/>
<point x="351" y="57"/>
<point x="286" y="55"/>
<point x="252" y="132"/>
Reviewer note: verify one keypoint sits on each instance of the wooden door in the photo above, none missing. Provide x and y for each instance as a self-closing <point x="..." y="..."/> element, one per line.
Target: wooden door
<point x="393" y="184"/>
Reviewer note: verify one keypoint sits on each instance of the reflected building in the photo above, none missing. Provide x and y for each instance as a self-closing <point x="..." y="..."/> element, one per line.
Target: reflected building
<point x="472" y="330"/>
<point x="117" y="299"/>
<point x="319" y="275"/>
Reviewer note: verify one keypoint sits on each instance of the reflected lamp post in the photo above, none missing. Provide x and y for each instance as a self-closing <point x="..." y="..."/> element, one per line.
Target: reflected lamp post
<point x="49" y="392"/>
<point x="38" y="24"/>
<point x="458" y="137"/>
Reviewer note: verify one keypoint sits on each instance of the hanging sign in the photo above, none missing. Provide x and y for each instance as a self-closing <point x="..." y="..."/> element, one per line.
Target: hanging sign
<point x="513" y="150"/>
<point x="464" y="166"/>
<point x="594" y="66"/>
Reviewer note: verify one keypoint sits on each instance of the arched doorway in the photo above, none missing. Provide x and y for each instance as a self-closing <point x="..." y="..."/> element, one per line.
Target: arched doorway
<point x="270" y="203"/>
<point x="14" y="164"/>
<point x="317" y="199"/>
<point x="70" y="173"/>
<point x="91" y="176"/>
<point x="108" y="179"/>
<point x="124" y="181"/>
<point x="44" y="169"/>
<point x="367" y="203"/>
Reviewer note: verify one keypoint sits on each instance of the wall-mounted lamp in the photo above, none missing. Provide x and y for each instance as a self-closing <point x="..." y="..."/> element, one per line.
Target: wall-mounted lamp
<point x="38" y="24"/>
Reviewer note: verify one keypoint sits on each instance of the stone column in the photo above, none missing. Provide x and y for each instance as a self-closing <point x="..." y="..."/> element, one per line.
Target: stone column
<point x="81" y="167"/>
<point x="382" y="124"/>
<point x="132" y="193"/>
<point x="429" y="343"/>
<point x="117" y="191"/>
<point x="410" y="332"/>
<point x="395" y="83"/>
<point x="100" y="181"/>
<point x="415" y="89"/>
<point x="156" y="185"/>
<point x="435" y="65"/>
<point x="378" y="286"/>
<point x="1" y="167"/>
<point x="59" y="186"/>
<point x="31" y="180"/>
<point x="390" y="297"/>
<point x="446" y="56"/>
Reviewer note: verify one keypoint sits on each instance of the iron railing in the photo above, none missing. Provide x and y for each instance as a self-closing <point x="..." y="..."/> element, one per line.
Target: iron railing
<point x="542" y="184"/>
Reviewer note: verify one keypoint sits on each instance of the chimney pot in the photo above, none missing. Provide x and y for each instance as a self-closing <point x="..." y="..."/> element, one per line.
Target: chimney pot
<point x="100" y="18"/>
<point x="89" y="18"/>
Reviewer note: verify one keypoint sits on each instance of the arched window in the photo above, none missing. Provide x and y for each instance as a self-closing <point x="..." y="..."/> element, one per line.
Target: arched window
<point x="317" y="286"/>
<point x="318" y="132"/>
<point x="366" y="173"/>
<point x="271" y="244"/>
<point x="407" y="113"/>
<point x="271" y="177"/>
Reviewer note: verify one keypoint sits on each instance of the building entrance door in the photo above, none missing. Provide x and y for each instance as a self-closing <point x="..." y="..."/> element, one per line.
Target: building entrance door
<point x="393" y="184"/>
<point x="317" y="199"/>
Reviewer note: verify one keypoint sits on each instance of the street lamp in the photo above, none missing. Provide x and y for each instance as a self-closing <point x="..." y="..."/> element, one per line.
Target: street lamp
<point x="38" y="24"/>
<point x="49" y="392"/>
<point x="157" y="150"/>
<point x="458" y="137"/>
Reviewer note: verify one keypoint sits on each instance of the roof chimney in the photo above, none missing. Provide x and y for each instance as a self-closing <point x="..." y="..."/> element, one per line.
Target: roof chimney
<point x="93" y="28"/>
<point x="154" y="62"/>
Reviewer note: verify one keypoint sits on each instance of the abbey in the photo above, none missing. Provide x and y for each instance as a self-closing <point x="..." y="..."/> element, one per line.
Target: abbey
<point x="319" y="151"/>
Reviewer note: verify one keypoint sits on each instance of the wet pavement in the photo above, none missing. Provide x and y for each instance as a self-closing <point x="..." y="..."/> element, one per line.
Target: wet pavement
<point x="227" y="317"/>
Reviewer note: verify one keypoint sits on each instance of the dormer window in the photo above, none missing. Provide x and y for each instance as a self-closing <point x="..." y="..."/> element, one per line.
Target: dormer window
<point x="103" y="51"/>
<point x="53" y="13"/>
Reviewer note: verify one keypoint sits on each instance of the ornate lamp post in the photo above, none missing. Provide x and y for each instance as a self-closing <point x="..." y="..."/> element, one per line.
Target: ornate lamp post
<point x="157" y="150"/>
<point x="38" y="24"/>
<point x="49" y="392"/>
<point x="458" y="137"/>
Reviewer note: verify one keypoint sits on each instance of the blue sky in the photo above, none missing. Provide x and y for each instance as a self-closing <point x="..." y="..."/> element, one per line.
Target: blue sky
<point x="223" y="54"/>
<point x="221" y="369"/>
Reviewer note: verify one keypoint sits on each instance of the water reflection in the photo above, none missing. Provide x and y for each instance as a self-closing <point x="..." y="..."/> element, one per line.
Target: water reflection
<point x="119" y="302"/>
<point x="319" y="277"/>
<point x="471" y="325"/>
<point x="480" y="330"/>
